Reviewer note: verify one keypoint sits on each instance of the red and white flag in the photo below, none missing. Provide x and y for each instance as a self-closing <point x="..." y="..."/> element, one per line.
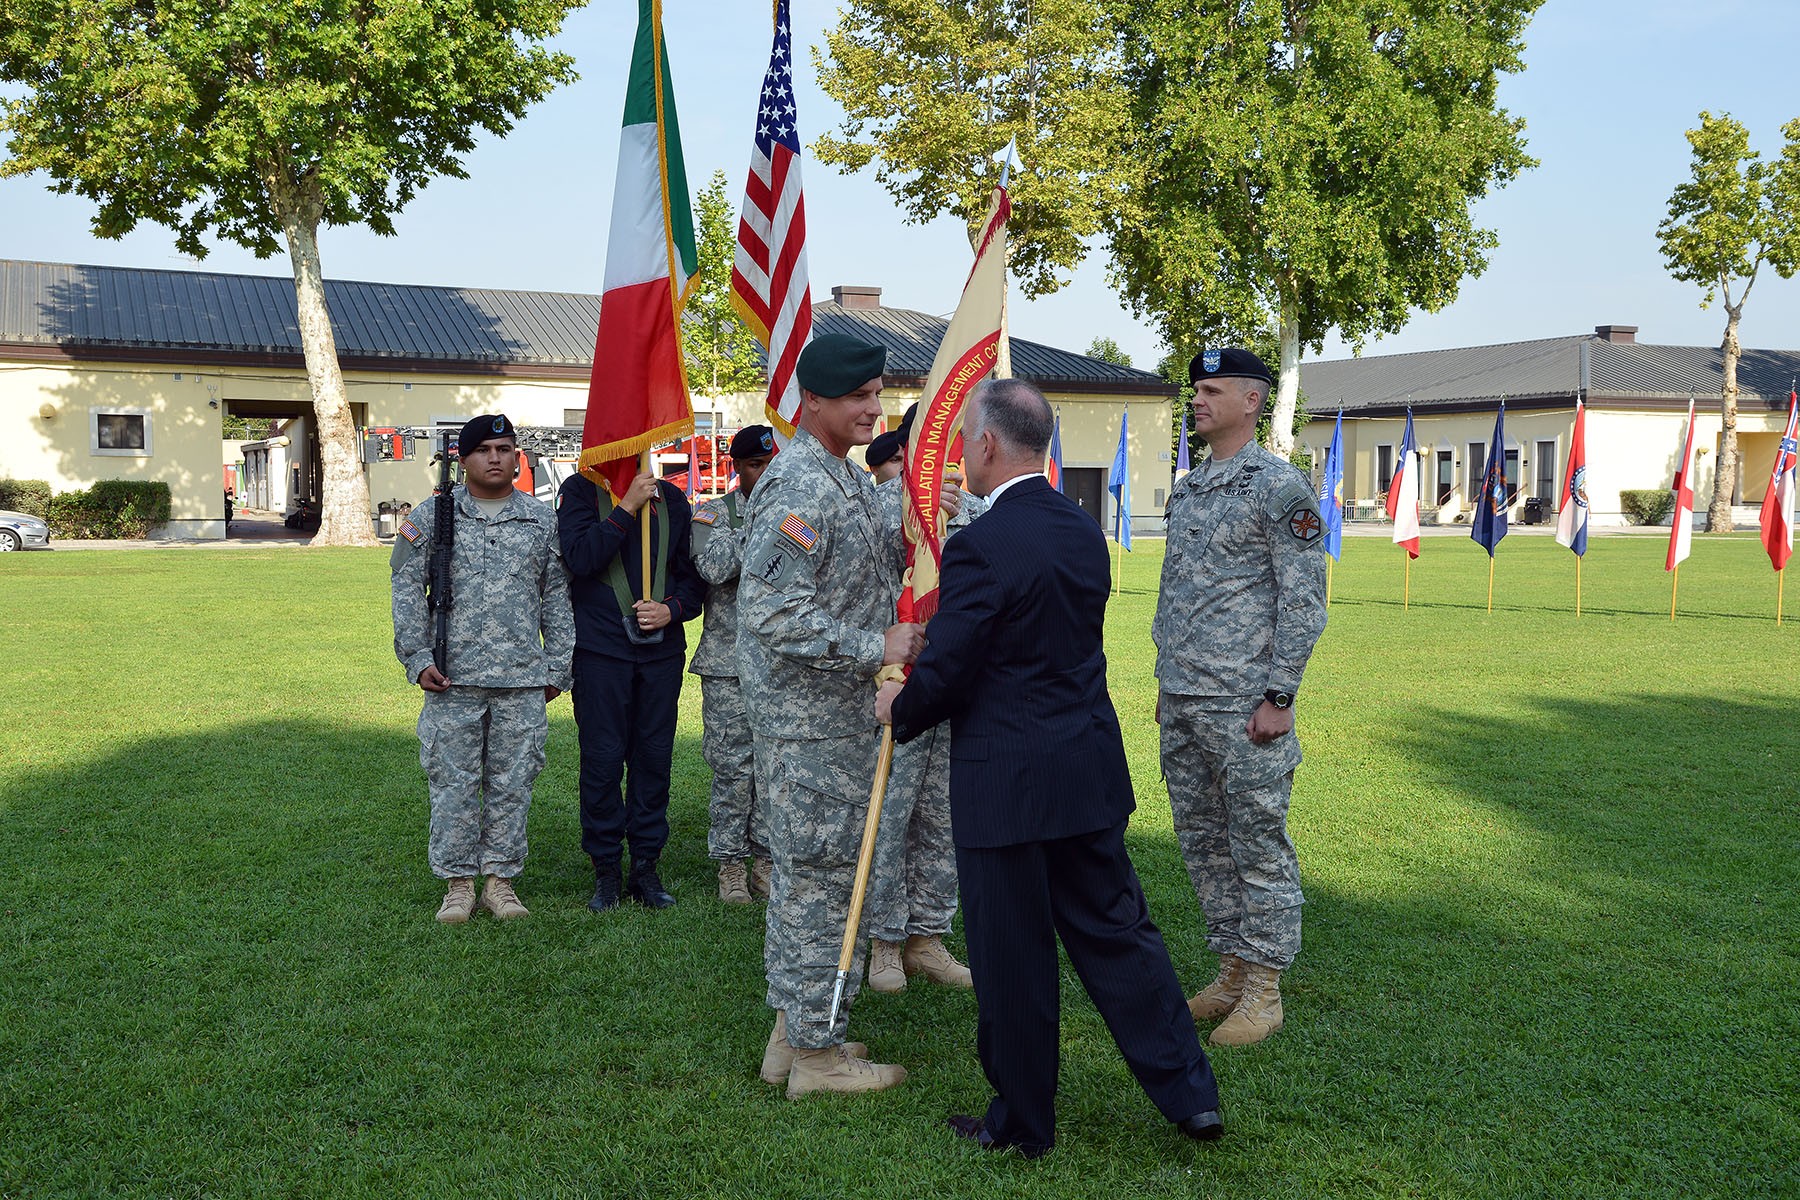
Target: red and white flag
<point x="637" y="396"/>
<point x="965" y="357"/>
<point x="1403" y="494"/>
<point x="769" y="288"/>
<point x="1681" y="530"/>
<point x="1778" y="501"/>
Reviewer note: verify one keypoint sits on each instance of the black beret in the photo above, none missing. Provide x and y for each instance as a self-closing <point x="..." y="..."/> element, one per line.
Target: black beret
<point x="1228" y="364"/>
<point x="834" y="364"/>
<point x="885" y="447"/>
<point x="753" y="441"/>
<point x="484" y="428"/>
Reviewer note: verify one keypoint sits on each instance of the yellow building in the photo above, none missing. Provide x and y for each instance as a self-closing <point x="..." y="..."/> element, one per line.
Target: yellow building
<point x="1636" y="396"/>
<point x="122" y="373"/>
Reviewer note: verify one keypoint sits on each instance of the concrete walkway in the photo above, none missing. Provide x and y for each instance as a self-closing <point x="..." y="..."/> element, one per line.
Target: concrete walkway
<point x="249" y="530"/>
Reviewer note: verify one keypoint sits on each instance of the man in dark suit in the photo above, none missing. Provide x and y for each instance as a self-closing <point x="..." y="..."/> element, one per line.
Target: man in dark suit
<point x="1040" y="791"/>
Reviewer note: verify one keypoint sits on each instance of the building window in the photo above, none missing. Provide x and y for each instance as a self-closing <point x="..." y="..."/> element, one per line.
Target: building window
<point x="1512" y="475"/>
<point x="1446" y="477"/>
<point x="1476" y="466"/>
<point x="1546" y="471"/>
<point x="1384" y="467"/>
<point x="124" y="432"/>
<point x="575" y="416"/>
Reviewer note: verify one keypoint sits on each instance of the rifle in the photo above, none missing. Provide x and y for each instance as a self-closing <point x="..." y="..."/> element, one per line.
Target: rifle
<point x="443" y="543"/>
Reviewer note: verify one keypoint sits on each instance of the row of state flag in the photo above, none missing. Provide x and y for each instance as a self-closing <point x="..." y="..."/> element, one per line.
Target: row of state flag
<point x="1489" y="524"/>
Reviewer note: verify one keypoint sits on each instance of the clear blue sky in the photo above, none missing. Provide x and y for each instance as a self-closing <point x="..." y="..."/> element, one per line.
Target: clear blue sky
<point x="1609" y="88"/>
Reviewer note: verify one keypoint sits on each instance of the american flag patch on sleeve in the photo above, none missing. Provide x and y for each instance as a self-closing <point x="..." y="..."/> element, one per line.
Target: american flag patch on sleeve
<point x="802" y="534"/>
<point x="704" y="516"/>
<point x="410" y="532"/>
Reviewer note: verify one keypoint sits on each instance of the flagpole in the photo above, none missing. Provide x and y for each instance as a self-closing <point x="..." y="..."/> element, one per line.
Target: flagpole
<point x="1674" y="589"/>
<point x="1328" y="565"/>
<point x="1119" y="554"/>
<point x="644" y="527"/>
<point x="1406" y="595"/>
<point x="1780" y="585"/>
<point x="1490" y="583"/>
<point x="1578" y="585"/>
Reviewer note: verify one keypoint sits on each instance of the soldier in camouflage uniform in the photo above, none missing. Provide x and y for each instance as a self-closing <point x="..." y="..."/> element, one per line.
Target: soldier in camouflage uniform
<point x="1242" y="603"/>
<point x="739" y="817"/>
<point x="511" y="636"/>
<point x="816" y="599"/>
<point x="912" y="882"/>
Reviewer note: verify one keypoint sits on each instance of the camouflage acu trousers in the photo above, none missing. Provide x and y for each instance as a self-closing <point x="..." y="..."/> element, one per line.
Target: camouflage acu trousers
<point x="912" y="884"/>
<point x="481" y="749"/>
<point x="1229" y="799"/>
<point x="739" y="821"/>
<point x="818" y="793"/>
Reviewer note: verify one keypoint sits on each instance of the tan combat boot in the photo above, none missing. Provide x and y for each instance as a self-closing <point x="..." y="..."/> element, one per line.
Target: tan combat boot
<point x="885" y="972"/>
<point x="734" y="886"/>
<point x="835" y="1069"/>
<point x="778" y="1055"/>
<point x="499" y="898"/>
<point x="459" y="901"/>
<point x="1258" y="1011"/>
<point x="928" y="956"/>
<point x="1220" y="996"/>
<point x="760" y="871"/>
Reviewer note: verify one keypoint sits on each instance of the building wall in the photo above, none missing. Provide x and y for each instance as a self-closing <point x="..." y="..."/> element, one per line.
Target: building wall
<point x="1625" y="450"/>
<point x="185" y="442"/>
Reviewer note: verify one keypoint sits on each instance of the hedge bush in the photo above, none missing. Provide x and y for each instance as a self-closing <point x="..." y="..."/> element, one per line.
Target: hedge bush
<point x="1646" y="506"/>
<point x="112" y="508"/>
<point x="25" y="495"/>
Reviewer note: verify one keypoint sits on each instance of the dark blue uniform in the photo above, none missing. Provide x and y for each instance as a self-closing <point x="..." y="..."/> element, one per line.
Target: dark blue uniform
<point x="625" y="694"/>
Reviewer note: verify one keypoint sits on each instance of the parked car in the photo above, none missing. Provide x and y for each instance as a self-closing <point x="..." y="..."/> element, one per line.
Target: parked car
<point x="22" y="531"/>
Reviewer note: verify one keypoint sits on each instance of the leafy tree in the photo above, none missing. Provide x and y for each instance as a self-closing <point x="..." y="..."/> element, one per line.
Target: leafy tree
<point x="245" y="429"/>
<point x="722" y="355"/>
<point x="1107" y="350"/>
<point x="258" y="122"/>
<point x="1309" y="165"/>
<point x="932" y="90"/>
<point x="1733" y="217"/>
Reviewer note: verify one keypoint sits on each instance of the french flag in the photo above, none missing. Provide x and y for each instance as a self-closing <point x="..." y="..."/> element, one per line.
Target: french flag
<point x="1403" y="494"/>
<point x="1681" y="526"/>
<point x="1572" y="516"/>
<point x="1778" y="501"/>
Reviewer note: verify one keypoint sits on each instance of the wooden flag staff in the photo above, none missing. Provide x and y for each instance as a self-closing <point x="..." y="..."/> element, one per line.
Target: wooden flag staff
<point x="1674" y="589"/>
<point x="1780" y="585"/>
<point x="1578" y="585"/>
<point x="1490" y="582"/>
<point x="1406" y="595"/>
<point x="644" y="528"/>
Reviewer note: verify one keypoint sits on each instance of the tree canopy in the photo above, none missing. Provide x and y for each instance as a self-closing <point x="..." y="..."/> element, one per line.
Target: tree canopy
<point x="932" y="91"/>
<point x="1734" y="215"/>
<point x="257" y="122"/>
<point x="1309" y="165"/>
<point x="722" y="354"/>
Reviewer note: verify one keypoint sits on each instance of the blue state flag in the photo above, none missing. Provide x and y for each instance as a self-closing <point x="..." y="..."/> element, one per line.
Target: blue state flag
<point x="1181" y="459"/>
<point x="1119" y="483"/>
<point x="1054" y="468"/>
<point x="1491" y="506"/>
<point x="1331" y="492"/>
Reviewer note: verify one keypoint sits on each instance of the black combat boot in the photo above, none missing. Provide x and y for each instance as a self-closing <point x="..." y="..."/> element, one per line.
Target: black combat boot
<point x="606" y="887"/>
<point x="645" y="887"/>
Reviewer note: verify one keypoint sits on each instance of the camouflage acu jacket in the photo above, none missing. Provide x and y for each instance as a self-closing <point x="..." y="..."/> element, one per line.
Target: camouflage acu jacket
<point x="717" y="547"/>
<point x="510" y="624"/>
<point x="1243" y="584"/>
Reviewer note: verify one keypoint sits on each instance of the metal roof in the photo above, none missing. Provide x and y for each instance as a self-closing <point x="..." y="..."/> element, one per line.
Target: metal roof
<point x="96" y="308"/>
<point x="57" y="304"/>
<point x="1547" y="368"/>
<point x="912" y="340"/>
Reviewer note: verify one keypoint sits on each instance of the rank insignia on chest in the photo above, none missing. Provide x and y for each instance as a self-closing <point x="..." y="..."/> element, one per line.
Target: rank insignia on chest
<point x="705" y="517"/>
<point x="802" y="534"/>
<point x="411" y="532"/>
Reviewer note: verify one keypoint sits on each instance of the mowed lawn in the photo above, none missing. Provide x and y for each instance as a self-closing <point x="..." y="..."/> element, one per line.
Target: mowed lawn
<point x="1551" y="931"/>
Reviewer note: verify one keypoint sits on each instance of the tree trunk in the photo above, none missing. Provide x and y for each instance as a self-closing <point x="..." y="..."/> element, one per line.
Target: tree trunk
<point x="344" y="506"/>
<point x="1725" y="470"/>
<point x="1287" y="383"/>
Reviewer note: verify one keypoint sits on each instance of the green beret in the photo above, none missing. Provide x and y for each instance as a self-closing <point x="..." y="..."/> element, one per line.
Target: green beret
<point x="835" y="364"/>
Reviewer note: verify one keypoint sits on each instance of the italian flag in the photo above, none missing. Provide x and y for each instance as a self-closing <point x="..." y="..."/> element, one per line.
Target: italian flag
<point x="637" y="395"/>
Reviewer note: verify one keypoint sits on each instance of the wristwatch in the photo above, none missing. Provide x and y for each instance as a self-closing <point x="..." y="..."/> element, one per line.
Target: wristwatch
<point x="1279" y="699"/>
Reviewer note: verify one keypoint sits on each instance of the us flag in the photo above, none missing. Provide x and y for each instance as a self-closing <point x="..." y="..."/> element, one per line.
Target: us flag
<point x="768" y="277"/>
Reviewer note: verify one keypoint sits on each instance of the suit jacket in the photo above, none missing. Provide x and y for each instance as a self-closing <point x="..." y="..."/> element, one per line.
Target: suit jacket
<point x="1015" y="660"/>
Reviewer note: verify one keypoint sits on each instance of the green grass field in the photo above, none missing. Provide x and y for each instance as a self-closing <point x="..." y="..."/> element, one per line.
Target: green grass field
<point x="1551" y="940"/>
